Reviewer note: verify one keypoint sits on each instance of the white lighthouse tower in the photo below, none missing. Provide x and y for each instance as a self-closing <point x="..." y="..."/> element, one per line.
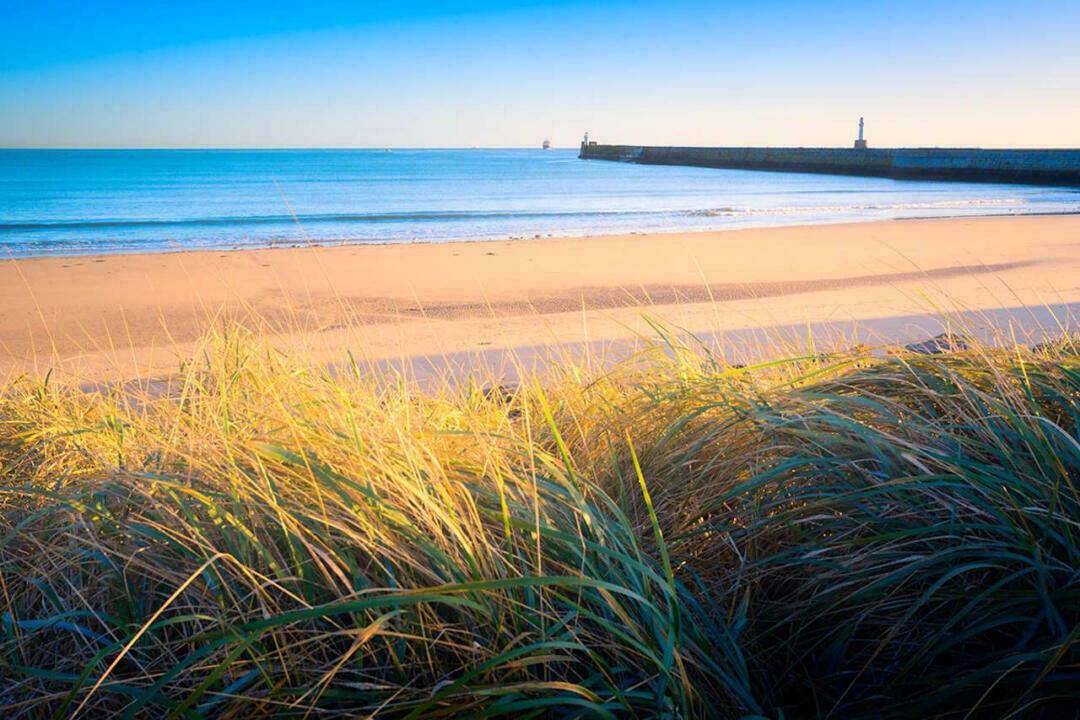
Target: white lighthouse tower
<point x="860" y="144"/>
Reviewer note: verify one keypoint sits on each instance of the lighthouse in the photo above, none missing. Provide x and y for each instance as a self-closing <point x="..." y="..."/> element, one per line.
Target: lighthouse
<point x="860" y="144"/>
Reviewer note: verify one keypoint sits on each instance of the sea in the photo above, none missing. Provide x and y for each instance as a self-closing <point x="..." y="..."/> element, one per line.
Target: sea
<point x="70" y="202"/>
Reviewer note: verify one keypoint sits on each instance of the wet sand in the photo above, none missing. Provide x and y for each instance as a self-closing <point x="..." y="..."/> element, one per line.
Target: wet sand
<point x="112" y="316"/>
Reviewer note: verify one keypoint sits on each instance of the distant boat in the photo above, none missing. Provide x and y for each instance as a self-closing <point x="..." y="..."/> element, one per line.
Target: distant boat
<point x="546" y="145"/>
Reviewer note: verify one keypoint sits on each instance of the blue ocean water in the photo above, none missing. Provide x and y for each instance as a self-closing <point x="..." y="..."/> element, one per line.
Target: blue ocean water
<point x="103" y="201"/>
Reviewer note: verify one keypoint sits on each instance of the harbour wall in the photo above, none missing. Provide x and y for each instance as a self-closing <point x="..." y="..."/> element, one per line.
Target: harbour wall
<point x="1041" y="167"/>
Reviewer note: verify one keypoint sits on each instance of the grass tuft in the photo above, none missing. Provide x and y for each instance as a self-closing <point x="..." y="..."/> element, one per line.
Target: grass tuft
<point x="831" y="535"/>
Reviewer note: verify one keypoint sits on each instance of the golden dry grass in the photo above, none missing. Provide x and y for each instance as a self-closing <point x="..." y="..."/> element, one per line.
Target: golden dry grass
<point x="838" y="535"/>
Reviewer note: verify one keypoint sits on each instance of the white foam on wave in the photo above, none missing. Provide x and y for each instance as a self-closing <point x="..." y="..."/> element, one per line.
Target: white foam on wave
<point x="854" y="208"/>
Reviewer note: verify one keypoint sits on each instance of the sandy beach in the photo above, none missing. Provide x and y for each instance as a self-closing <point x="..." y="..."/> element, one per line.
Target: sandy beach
<point x="102" y="317"/>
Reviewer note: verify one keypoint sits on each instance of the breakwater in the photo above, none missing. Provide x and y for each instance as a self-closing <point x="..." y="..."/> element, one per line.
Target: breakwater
<point x="1041" y="167"/>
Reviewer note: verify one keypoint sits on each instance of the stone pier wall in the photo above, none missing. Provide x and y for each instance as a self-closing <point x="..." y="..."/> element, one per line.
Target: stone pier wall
<point x="1044" y="167"/>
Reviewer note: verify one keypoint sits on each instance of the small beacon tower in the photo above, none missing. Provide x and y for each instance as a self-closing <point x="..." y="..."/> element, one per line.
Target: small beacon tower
<point x="860" y="144"/>
<point x="585" y="145"/>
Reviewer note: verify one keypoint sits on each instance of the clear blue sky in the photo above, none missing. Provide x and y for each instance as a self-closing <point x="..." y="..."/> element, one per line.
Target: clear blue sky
<point x="323" y="73"/>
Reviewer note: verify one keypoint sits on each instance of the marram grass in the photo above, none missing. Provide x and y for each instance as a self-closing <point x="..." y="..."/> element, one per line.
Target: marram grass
<point x="836" y="535"/>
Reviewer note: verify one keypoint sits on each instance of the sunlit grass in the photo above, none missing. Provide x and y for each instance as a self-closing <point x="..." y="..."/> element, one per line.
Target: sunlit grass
<point x="841" y="534"/>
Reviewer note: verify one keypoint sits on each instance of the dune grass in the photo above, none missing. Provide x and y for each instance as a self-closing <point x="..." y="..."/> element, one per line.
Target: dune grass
<point x="838" y="535"/>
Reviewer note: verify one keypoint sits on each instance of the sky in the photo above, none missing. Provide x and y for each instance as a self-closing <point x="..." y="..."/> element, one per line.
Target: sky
<point x="510" y="74"/>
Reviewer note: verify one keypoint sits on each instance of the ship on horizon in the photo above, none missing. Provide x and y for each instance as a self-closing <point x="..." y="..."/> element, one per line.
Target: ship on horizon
<point x="546" y="145"/>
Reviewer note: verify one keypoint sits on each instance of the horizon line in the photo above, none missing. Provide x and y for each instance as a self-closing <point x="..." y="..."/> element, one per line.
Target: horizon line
<point x="240" y="148"/>
<point x="282" y="147"/>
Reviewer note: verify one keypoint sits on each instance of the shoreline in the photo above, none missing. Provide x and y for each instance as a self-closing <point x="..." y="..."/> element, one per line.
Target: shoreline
<point x="122" y="315"/>
<point x="357" y="242"/>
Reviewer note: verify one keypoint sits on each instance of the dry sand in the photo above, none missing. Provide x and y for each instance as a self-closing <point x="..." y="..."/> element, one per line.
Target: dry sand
<point x="103" y="317"/>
